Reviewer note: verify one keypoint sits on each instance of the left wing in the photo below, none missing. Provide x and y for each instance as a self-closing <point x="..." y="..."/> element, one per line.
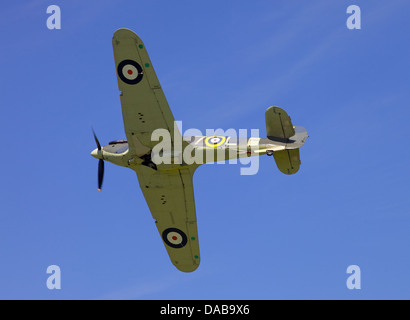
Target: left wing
<point x="143" y="103"/>
<point x="170" y="198"/>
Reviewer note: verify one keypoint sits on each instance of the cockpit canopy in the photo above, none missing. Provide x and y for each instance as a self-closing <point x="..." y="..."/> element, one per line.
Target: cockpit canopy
<point x="117" y="146"/>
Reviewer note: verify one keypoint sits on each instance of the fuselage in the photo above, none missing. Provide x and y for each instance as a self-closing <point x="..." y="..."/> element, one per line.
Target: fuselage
<point x="197" y="150"/>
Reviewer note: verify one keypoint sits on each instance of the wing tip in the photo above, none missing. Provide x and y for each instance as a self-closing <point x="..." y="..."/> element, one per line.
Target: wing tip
<point x="187" y="268"/>
<point x="125" y="33"/>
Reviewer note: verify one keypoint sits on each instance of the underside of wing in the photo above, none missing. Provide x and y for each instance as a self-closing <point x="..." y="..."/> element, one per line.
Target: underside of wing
<point x="143" y="102"/>
<point x="170" y="198"/>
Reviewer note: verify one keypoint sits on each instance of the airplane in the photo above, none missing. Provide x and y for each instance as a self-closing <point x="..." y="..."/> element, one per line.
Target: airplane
<point x="168" y="187"/>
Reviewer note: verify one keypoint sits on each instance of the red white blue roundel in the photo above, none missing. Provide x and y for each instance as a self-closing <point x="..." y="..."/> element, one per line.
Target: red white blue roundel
<point x="130" y="71"/>
<point x="215" y="141"/>
<point x="174" y="238"/>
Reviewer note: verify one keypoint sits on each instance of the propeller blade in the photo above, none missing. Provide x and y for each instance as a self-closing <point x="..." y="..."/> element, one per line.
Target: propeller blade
<point x="100" y="173"/>
<point x="96" y="140"/>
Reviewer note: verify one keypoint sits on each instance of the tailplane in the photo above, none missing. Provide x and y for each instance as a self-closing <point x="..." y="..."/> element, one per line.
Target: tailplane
<point x="288" y="161"/>
<point x="279" y="128"/>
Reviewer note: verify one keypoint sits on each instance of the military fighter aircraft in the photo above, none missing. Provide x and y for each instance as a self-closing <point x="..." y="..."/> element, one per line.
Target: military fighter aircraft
<point x="167" y="187"/>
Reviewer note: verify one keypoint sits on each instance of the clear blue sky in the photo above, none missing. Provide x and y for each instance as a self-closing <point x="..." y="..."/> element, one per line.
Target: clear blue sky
<point x="221" y="64"/>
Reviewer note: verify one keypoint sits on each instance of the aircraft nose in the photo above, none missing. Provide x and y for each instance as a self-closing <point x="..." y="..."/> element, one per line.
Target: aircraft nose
<point x="96" y="154"/>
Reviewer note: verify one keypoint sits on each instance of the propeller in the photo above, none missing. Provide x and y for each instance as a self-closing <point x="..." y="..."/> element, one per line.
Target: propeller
<point x="100" y="173"/>
<point x="100" y="163"/>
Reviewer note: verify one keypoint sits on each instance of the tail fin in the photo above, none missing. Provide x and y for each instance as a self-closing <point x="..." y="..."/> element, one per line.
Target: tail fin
<point x="279" y="127"/>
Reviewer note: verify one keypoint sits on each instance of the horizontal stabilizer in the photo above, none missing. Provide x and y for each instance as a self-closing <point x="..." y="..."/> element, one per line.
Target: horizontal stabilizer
<point x="288" y="161"/>
<point x="278" y="124"/>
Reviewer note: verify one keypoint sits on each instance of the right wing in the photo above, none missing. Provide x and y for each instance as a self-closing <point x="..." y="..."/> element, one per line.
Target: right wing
<point x="170" y="198"/>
